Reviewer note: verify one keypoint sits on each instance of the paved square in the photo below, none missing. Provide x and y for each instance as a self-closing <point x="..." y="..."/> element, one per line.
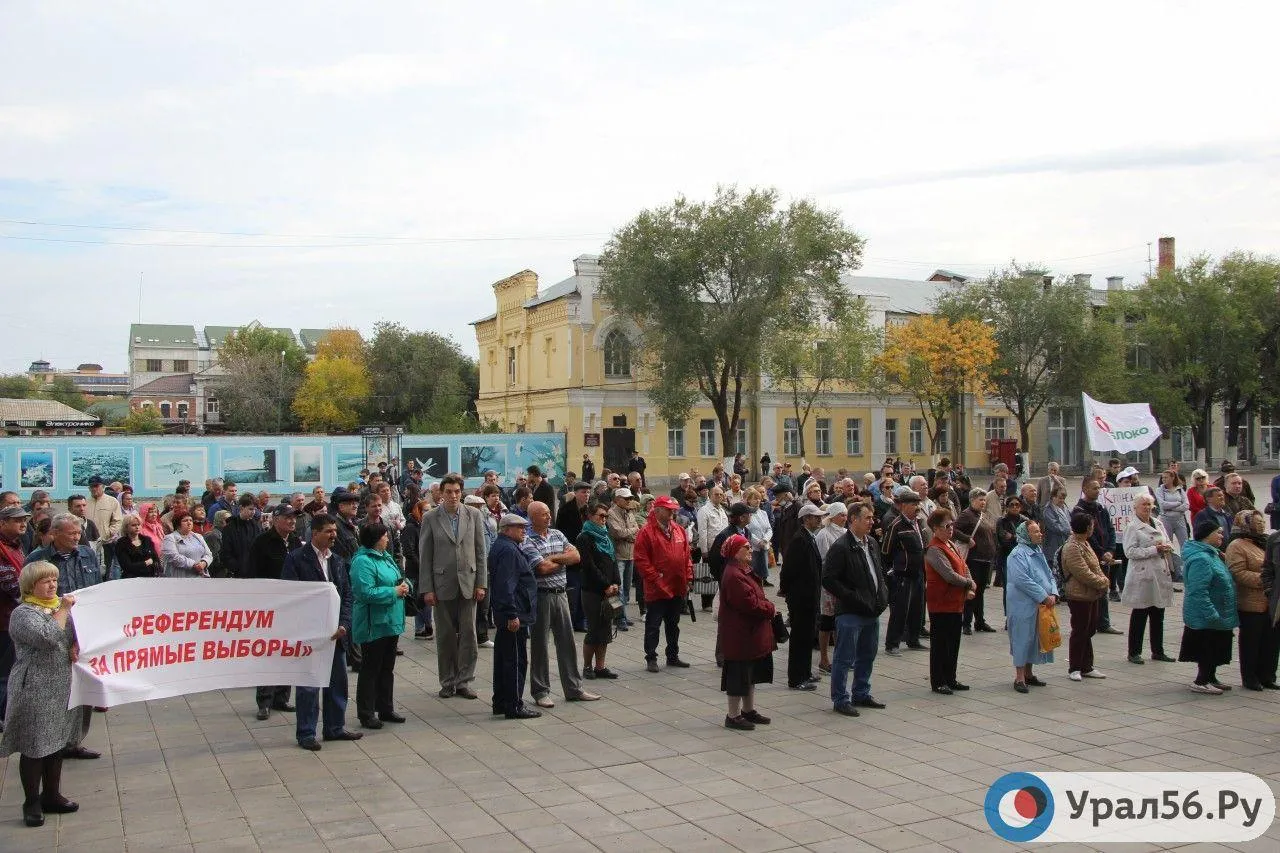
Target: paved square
<point x="650" y="767"/>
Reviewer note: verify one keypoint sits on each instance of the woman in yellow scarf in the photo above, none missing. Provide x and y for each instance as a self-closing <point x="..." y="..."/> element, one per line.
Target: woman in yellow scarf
<point x="38" y="724"/>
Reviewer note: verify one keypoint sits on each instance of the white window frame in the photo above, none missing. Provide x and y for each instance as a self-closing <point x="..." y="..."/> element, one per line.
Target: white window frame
<point x="853" y="436"/>
<point x="822" y="436"/>
<point x="994" y="427"/>
<point x="790" y="436"/>
<point x="707" y="437"/>
<point x="891" y="436"/>
<point x="675" y="442"/>
<point x="944" y="436"/>
<point x="740" y="437"/>
<point x="915" y="435"/>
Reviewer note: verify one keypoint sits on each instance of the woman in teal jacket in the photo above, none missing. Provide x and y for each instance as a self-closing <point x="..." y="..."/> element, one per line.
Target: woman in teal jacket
<point x="377" y="621"/>
<point x="1208" y="607"/>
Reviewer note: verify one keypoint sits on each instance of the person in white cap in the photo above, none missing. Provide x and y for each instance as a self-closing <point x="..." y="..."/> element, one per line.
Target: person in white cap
<point x="834" y="527"/>
<point x="515" y="607"/>
<point x="624" y="524"/>
<point x="799" y="582"/>
<point x="682" y="481"/>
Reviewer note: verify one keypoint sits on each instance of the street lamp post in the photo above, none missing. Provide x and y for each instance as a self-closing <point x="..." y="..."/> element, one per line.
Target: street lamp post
<point x="280" y="394"/>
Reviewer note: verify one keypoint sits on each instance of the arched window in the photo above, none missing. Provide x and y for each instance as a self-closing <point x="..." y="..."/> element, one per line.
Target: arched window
<point x="617" y="354"/>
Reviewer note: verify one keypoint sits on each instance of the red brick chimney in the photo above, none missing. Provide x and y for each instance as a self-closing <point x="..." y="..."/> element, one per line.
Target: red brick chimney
<point x="1165" y="259"/>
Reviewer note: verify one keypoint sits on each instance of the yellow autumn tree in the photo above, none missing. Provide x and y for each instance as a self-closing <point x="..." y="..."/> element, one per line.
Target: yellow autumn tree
<point x="934" y="361"/>
<point x="336" y="384"/>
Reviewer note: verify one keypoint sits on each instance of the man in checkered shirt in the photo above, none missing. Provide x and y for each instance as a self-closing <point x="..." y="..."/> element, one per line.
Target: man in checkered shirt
<point x="549" y="552"/>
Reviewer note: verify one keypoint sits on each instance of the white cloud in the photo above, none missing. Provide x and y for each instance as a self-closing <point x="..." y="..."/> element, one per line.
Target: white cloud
<point x="950" y="134"/>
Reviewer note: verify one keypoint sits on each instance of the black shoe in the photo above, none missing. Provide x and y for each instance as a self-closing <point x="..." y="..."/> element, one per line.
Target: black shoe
<point x="399" y="653"/>
<point x="651" y="666"/>
<point x="807" y="686"/>
<point x="943" y="689"/>
<point x="420" y="635"/>
<point x="1163" y="658"/>
<point x="957" y="686"/>
<point x="1270" y="685"/>
<point x="1253" y="685"/>
<point x="768" y="583"/>
<point x="869" y="702"/>
<point x="310" y="744"/>
<point x="678" y="664"/>
<point x="524" y="714"/>
<point x="32" y="815"/>
<point x="465" y="693"/>
<point x="966" y="630"/>
<point x="739" y="722"/>
<point x="588" y="673"/>
<point x="370" y="723"/>
<point x="61" y="805"/>
<point x="814" y="679"/>
<point x="80" y="752"/>
<point x="390" y="717"/>
<point x="1021" y="687"/>
<point x="344" y="735"/>
<point x="918" y="647"/>
<point x="754" y="716"/>
<point x="984" y="628"/>
<point x="847" y="710"/>
<point x="1115" y="596"/>
<point x="1137" y="659"/>
<point x="1110" y="630"/>
<point x="604" y="673"/>
<point x="446" y="693"/>
<point x="1033" y="681"/>
<point x="284" y="706"/>
<point x="264" y="713"/>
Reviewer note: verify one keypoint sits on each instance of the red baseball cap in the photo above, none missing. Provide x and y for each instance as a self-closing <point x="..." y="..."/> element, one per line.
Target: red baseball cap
<point x="666" y="502"/>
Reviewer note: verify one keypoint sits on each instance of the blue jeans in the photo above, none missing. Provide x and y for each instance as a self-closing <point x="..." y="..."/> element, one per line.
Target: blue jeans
<point x="857" y="641"/>
<point x="307" y="700"/>
<point x="627" y="571"/>
<point x="422" y="619"/>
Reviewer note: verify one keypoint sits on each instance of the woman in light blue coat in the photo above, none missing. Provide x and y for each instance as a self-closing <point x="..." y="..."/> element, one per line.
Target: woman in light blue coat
<point x="1029" y="585"/>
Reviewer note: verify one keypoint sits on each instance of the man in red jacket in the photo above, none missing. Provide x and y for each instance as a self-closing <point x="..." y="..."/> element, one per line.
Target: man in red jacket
<point x="662" y="558"/>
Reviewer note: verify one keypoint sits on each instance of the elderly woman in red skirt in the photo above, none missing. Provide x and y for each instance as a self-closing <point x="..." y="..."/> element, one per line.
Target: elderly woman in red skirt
<point x="745" y="634"/>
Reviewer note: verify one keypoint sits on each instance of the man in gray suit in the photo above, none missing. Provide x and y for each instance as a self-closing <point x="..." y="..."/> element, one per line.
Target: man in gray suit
<point x="1044" y="486"/>
<point x="453" y="576"/>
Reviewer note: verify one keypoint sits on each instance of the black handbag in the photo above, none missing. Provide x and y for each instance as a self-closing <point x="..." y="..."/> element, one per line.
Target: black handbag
<point x="410" y="600"/>
<point x="780" y="632"/>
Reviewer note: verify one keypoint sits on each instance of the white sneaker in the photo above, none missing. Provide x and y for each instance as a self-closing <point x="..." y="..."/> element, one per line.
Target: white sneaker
<point x="1075" y="675"/>
<point x="1205" y="688"/>
<point x="487" y="644"/>
<point x="1095" y="673"/>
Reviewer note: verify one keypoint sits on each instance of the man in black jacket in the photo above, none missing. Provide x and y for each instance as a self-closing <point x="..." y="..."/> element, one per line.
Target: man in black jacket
<point x="542" y="490"/>
<point x="903" y="552"/>
<point x="851" y="572"/>
<point x="799" y="583"/>
<point x="266" y="561"/>
<point x="316" y="562"/>
<point x="237" y="537"/>
<point x="573" y="512"/>
<point x="1103" y="542"/>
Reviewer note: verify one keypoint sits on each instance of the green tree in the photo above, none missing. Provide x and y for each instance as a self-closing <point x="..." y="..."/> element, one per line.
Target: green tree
<point x="809" y="356"/>
<point x="422" y="380"/>
<point x="142" y="422"/>
<point x="17" y="386"/>
<point x="708" y="282"/>
<point x="1046" y="353"/>
<point x="260" y="382"/>
<point x="336" y="385"/>
<point x="65" y="391"/>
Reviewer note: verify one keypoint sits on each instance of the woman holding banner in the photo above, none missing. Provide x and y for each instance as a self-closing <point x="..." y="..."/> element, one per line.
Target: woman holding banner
<point x="37" y="724"/>
<point x="1148" y="587"/>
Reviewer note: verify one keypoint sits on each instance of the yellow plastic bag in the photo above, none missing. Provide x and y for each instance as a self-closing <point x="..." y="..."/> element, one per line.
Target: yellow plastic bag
<point x="1050" y="635"/>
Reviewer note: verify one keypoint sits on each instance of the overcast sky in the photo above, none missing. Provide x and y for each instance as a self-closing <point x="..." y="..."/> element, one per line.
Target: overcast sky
<point x="950" y="134"/>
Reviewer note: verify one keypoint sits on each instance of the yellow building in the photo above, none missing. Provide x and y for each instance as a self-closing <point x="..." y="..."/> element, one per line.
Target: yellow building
<point x="558" y="360"/>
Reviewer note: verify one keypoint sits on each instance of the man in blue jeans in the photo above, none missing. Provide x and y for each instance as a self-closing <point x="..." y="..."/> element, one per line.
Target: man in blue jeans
<point x="851" y="572"/>
<point x="317" y="562"/>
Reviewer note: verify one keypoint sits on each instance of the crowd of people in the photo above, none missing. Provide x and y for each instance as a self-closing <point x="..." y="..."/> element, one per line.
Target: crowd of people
<point x="523" y="569"/>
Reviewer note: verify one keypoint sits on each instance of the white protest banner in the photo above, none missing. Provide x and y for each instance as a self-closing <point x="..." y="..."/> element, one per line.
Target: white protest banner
<point x="1122" y="427"/>
<point x="1119" y="505"/>
<point x="151" y="638"/>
